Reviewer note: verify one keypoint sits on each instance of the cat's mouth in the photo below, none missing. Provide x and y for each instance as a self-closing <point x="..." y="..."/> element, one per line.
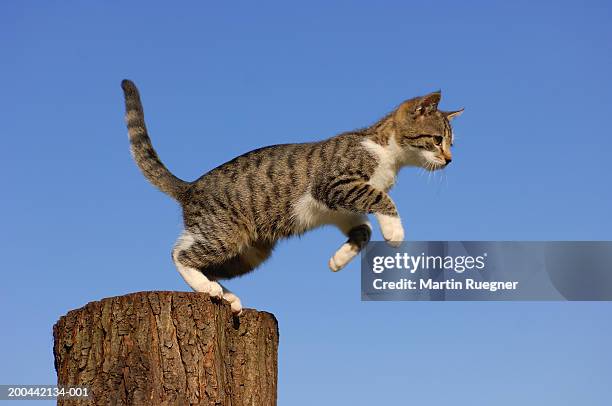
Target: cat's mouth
<point x="433" y="166"/>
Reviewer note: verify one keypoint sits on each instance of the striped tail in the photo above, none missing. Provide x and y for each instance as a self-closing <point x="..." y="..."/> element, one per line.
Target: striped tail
<point x="145" y="156"/>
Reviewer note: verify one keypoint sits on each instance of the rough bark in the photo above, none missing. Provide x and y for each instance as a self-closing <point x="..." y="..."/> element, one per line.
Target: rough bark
<point x="167" y="348"/>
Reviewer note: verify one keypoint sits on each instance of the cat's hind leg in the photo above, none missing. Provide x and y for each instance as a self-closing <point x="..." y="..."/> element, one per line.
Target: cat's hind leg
<point x="190" y="257"/>
<point x="202" y="263"/>
<point x="358" y="229"/>
<point x="233" y="300"/>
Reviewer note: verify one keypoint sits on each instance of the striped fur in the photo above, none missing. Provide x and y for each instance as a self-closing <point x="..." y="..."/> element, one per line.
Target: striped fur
<point x="142" y="149"/>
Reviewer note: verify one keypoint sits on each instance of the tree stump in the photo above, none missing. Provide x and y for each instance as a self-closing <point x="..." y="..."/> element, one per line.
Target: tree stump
<point x="167" y="348"/>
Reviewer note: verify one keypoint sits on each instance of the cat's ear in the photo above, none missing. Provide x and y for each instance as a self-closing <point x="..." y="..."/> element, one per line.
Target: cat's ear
<point x="421" y="105"/>
<point x="428" y="103"/>
<point x="452" y="114"/>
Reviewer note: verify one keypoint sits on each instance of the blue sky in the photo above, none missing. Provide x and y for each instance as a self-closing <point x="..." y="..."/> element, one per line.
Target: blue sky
<point x="531" y="162"/>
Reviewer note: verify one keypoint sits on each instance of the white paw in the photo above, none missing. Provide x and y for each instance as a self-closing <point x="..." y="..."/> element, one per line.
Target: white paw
<point x="391" y="228"/>
<point x="214" y="290"/>
<point x="234" y="302"/>
<point x="342" y="257"/>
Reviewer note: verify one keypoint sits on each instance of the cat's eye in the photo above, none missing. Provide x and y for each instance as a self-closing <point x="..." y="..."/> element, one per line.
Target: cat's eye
<point x="438" y="139"/>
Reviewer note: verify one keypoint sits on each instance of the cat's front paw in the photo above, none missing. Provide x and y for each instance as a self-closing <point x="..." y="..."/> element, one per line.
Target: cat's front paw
<point x="343" y="256"/>
<point x="392" y="229"/>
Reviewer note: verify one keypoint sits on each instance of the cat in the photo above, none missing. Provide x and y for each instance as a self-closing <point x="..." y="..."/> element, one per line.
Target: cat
<point x="234" y="214"/>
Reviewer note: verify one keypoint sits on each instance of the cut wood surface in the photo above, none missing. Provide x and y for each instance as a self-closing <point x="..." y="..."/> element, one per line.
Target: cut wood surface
<point x="167" y="348"/>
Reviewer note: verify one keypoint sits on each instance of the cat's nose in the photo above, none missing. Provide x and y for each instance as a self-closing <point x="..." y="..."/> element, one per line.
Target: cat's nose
<point x="447" y="157"/>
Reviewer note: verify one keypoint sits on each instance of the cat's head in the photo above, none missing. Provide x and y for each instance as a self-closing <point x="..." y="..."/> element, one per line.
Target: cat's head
<point x="423" y="132"/>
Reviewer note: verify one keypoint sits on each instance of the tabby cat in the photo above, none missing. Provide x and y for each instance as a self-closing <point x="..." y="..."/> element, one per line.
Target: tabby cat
<point x="235" y="214"/>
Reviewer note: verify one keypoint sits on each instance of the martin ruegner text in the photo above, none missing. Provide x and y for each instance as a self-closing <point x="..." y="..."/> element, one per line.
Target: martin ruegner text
<point x="449" y="284"/>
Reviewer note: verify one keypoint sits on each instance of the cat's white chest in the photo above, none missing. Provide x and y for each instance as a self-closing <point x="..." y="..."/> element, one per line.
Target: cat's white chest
<point x="386" y="171"/>
<point x="383" y="177"/>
